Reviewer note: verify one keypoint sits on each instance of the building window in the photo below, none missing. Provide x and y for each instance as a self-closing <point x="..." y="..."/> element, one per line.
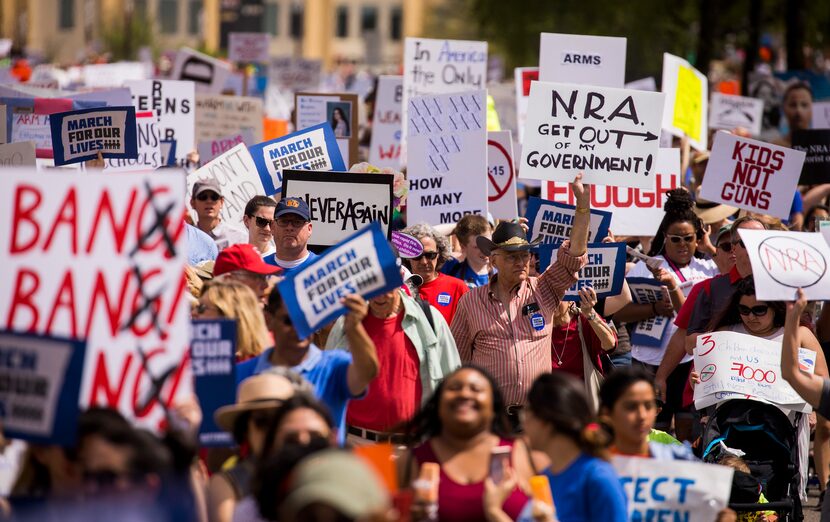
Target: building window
<point x="194" y="14"/>
<point x="296" y="25"/>
<point x="272" y="17"/>
<point x="396" y="24"/>
<point x="342" y="22"/>
<point x="169" y="16"/>
<point x="67" y="14"/>
<point x="368" y="18"/>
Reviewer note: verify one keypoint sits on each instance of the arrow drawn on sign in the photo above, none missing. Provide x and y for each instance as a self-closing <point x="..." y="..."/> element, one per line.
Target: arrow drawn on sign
<point x="648" y="136"/>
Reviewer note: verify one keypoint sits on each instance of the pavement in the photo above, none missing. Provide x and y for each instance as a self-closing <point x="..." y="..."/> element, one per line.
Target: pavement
<point x="811" y="508"/>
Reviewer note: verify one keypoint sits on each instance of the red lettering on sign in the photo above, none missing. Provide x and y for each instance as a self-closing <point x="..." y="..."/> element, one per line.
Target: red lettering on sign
<point x="67" y="215"/>
<point x="23" y="215"/>
<point x="25" y="286"/>
<point x="119" y="230"/>
<point x="604" y="196"/>
<point x="65" y="299"/>
<point x="753" y="374"/>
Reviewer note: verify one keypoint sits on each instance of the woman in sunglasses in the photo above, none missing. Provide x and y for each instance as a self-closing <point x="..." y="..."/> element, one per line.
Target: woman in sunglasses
<point x="675" y="245"/>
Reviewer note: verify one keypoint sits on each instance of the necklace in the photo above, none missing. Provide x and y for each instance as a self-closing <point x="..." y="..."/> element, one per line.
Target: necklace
<point x="564" y="343"/>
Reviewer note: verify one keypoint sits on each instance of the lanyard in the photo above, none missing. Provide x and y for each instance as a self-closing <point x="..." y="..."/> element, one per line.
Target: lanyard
<point x="677" y="271"/>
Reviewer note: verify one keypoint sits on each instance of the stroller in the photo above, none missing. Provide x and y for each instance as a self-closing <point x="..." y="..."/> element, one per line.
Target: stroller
<point x="770" y="442"/>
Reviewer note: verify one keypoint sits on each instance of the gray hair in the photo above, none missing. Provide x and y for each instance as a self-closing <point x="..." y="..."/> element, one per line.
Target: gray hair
<point x="297" y="381"/>
<point x="441" y="242"/>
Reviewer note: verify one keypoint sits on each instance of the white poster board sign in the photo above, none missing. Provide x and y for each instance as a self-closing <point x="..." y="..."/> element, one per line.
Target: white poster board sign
<point x="20" y="154"/>
<point x="222" y="116"/>
<point x="149" y="147"/>
<point x="174" y="104"/>
<point x="643" y="84"/>
<point x="821" y="115"/>
<point x="248" y="47"/>
<point x="501" y="176"/>
<point x="583" y="59"/>
<point x="687" y="93"/>
<point x="385" y="147"/>
<point x="523" y="77"/>
<point x="104" y="75"/>
<point x="730" y="112"/>
<point x="207" y="73"/>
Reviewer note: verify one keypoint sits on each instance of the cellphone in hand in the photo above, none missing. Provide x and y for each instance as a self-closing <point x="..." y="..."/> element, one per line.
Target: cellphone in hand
<point x="499" y="463"/>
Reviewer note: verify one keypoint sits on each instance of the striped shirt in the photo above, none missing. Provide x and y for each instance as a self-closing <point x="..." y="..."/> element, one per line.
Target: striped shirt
<point x="513" y="344"/>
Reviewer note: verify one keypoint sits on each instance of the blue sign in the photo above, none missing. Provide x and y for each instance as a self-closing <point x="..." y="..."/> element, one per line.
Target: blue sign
<point x="604" y="272"/>
<point x="82" y="135"/>
<point x="361" y="264"/>
<point x="648" y="332"/>
<point x="553" y="221"/>
<point x="213" y="359"/>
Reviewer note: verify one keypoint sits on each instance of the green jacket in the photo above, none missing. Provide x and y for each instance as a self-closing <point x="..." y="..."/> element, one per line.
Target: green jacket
<point x="436" y="349"/>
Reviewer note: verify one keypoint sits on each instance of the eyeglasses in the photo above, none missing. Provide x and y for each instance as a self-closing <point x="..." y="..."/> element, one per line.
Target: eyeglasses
<point x="429" y="255"/>
<point x="677" y="239"/>
<point x="262" y="222"/>
<point x="293" y="223"/>
<point x="757" y="311"/>
<point x="726" y="246"/>
<point x="213" y="196"/>
<point x="516" y="257"/>
<point x="739" y="242"/>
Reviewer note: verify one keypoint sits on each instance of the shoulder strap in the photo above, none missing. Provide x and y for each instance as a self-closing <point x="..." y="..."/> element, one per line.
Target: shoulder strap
<point x="584" y="345"/>
<point x="426" y="308"/>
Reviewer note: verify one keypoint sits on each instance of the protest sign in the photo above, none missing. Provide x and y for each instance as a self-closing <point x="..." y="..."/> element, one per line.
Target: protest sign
<point x="213" y="358"/>
<point x="168" y="152"/>
<point x="651" y="331"/>
<point x="785" y="261"/>
<point x="84" y="134"/>
<point x="752" y="175"/>
<point x="207" y="73"/>
<point x="341" y="203"/>
<point x="238" y="178"/>
<point x="149" y="147"/>
<point x="174" y="104"/>
<point x="103" y="75"/>
<point x="447" y="159"/>
<point x="815" y="143"/>
<point x="673" y="489"/>
<point x="248" y="47"/>
<point x="730" y="112"/>
<point x="339" y="110"/>
<point x="604" y="272"/>
<point x="687" y="93"/>
<point x="821" y="115"/>
<point x="501" y="174"/>
<point x="21" y="154"/>
<point x="553" y="221"/>
<point x="363" y="264"/>
<point x="610" y="134"/>
<point x="210" y="149"/>
<point x="824" y="229"/>
<point x="287" y="75"/>
<point x="27" y="119"/>
<point x="385" y="148"/>
<point x="643" y="84"/>
<point x="408" y="246"/>
<point x="635" y="212"/>
<point x="314" y="148"/>
<point x="108" y="268"/>
<point x="576" y="58"/>
<point x="523" y="77"/>
<point x="41" y="380"/>
<point x="734" y="365"/>
<point x="3" y="126"/>
<point x="221" y="116"/>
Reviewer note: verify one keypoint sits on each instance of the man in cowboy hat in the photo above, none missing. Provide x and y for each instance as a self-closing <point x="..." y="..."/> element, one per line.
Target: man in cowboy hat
<point x="505" y="326"/>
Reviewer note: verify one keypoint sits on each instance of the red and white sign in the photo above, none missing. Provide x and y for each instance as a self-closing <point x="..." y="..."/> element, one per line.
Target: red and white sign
<point x="501" y="176"/>
<point x="524" y="75"/>
<point x="101" y="257"/>
<point x="636" y="212"/>
<point x="248" y="47"/>
<point x="385" y="147"/>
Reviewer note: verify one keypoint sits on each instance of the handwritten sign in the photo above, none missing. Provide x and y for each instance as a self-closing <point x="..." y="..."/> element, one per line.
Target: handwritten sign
<point x="20" y="154"/>
<point x="751" y="174"/>
<point x="81" y="135"/>
<point x="385" y="148"/>
<point x="341" y="203"/>
<point x="149" y="147"/>
<point x="523" y="77"/>
<point x="673" y="489"/>
<point x="363" y="263"/>
<point x="314" y="148"/>
<point x="408" y="246"/>
<point x="287" y="75"/>
<point x="729" y="112"/>
<point x="208" y="74"/>
<point x="501" y="175"/>
<point x="553" y="222"/>
<point x="734" y="365"/>
<point x="210" y="149"/>
<point x="576" y="58"/>
<point x="447" y="157"/>
<point x="815" y="143"/>
<point x="648" y="332"/>
<point x="221" y="116"/>
<point x="687" y="93"/>
<point x="248" y="47"/>
<point x="604" y="272"/>
<point x="213" y="357"/>
<point x="785" y="261"/>
<point x="174" y="105"/>
<point x="610" y="134"/>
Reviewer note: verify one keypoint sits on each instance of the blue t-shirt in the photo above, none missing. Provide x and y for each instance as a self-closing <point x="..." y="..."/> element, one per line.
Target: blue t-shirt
<point x="325" y="370"/>
<point x="272" y="260"/>
<point x="453" y="268"/>
<point x="588" y="489"/>
<point x="200" y="246"/>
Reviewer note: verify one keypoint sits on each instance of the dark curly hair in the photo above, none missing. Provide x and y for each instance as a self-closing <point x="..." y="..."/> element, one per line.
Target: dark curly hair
<point x="679" y="208"/>
<point x="729" y="315"/>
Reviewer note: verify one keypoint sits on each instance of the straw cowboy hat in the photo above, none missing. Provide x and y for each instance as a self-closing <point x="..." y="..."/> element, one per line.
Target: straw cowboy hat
<point x="260" y="392"/>
<point x="508" y="236"/>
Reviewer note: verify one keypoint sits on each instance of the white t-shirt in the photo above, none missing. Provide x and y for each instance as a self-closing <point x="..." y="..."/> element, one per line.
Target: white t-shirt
<point x="696" y="271"/>
<point x="225" y="235"/>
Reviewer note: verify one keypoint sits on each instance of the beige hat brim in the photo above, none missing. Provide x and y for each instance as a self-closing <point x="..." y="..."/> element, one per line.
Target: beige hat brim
<point x="714" y="214"/>
<point x="226" y="416"/>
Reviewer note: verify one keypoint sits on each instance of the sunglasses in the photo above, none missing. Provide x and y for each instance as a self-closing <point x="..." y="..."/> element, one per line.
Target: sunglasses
<point x="293" y="223"/>
<point x="757" y="311"/>
<point x="262" y="222"/>
<point x="739" y="242"/>
<point x="204" y="196"/>
<point x="429" y="255"/>
<point x="677" y="239"/>
<point x="262" y="420"/>
<point x="726" y="246"/>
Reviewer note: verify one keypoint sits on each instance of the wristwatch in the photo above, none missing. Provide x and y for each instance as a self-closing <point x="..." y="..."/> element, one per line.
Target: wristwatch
<point x="592" y="315"/>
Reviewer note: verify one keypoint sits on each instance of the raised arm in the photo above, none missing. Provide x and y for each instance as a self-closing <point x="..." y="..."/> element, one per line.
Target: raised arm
<point x="808" y="386"/>
<point x="365" y="365"/>
<point x="582" y="217"/>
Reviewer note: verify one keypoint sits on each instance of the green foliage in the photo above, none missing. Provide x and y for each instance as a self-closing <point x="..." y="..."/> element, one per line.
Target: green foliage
<point x="123" y="40"/>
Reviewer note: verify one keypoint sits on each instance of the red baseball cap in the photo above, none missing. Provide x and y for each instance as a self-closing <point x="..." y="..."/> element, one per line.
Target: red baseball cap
<point x="242" y="256"/>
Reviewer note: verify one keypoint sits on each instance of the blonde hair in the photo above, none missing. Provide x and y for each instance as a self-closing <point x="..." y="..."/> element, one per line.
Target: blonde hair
<point x="236" y="301"/>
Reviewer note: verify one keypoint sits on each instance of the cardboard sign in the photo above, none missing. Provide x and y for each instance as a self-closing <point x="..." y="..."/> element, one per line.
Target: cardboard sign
<point x="610" y="134"/>
<point x="149" y="147"/>
<point x="339" y="110"/>
<point x="821" y="115"/>
<point x="687" y="93"/>
<point x="341" y="203"/>
<point x="635" y="212"/>
<point x="108" y="269"/>
<point x="604" y="272"/>
<point x="361" y="264"/>
<point x="385" y="147"/>
<point x="785" y="261"/>
<point x="734" y="365"/>
<point x="174" y="105"/>
<point x="553" y="221"/>
<point x="41" y="379"/>
<point x="314" y="148"/>
<point x="238" y="178"/>
<point x="81" y="135"/>
<point x="649" y="332"/>
<point x="501" y="174"/>
<point x="815" y="143"/>
<point x="576" y="58"/>
<point x="248" y="47"/>
<point x="207" y="74"/>
<point x="730" y="112"/>
<point x="20" y="154"/>
<point x="103" y="75"/>
<point x="221" y="116"/>
<point x="447" y="157"/>
<point x="287" y="75"/>
<point x="673" y="489"/>
<point x="213" y="359"/>
<point x="523" y="77"/>
<point x="752" y="175"/>
<point x="210" y="149"/>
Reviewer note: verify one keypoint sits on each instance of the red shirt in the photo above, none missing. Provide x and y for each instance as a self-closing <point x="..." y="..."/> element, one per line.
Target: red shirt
<point x="572" y="351"/>
<point x="684" y="316"/>
<point x="395" y="394"/>
<point x="443" y="293"/>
